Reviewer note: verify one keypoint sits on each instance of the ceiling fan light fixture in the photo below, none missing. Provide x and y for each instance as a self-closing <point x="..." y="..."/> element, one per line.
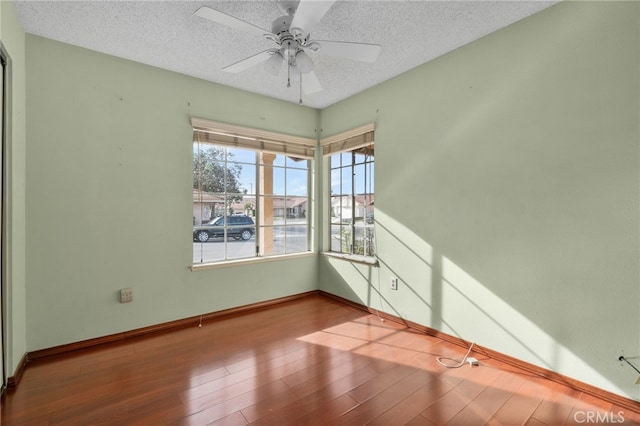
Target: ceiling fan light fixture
<point x="303" y="62"/>
<point x="273" y="65"/>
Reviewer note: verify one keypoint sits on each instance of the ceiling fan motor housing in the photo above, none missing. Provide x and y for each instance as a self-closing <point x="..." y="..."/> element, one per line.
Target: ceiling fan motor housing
<point x="290" y="43"/>
<point x="280" y="27"/>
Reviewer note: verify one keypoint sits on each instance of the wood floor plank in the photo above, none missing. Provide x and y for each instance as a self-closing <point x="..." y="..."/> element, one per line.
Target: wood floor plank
<point x="522" y="403"/>
<point x="234" y="419"/>
<point x="410" y="407"/>
<point x="382" y="401"/>
<point x="629" y="416"/>
<point x="589" y="407"/>
<point x="557" y="405"/>
<point x="236" y="403"/>
<point x="381" y="382"/>
<point x="325" y="413"/>
<point x="482" y="408"/>
<point x="451" y="403"/>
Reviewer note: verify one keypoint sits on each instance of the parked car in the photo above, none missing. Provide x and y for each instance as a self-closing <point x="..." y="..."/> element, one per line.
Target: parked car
<point x="237" y="226"/>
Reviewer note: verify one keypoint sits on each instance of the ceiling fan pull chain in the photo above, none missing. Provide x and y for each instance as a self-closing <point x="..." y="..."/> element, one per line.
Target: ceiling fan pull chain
<point x="289" y="66"/>
<point x="300" y="101"/>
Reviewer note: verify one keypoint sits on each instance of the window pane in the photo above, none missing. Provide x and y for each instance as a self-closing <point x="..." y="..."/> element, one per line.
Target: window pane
<point x="361" y="180"/>
<point x="212" y="152"/>
<point x="296" y="182"/>
<point x="342" y="239"/>
<point x="297" y="163"/>
<point x="240" y="177"/>
<point x="364" y="241"/>
<point x="283" y="239"/>
<point x="360" y="158"/>
<point x="278" y="181"/>
<point x="265" y="207"/>
<point x="247" y="180"/>
<point x="207" y="252"/>
<point x="272" y="180"/>
<point x="234" y="204"/>
<point x="336" y="183"/>
<point x="279" y="160"/>
<point x="278" y="240"/>
<point x="335" y="238"/>
<point x="334" y="161"/>
<point x="219" y="207"/>
<point x="341" y="208"/>
<point x="239" y="155"/>
<point x="345" y="176"/>
<point x="296" y="237"/>
<point x="209" y="174"/>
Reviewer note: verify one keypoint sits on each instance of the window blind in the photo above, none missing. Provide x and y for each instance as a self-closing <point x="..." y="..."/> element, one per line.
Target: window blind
<point x="350" y="140"/>
<point x="206" y="131"/>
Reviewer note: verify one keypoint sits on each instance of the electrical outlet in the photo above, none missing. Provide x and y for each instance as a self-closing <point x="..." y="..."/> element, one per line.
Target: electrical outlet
<point x="126" y="295"/>
<point x="394" y="283"/>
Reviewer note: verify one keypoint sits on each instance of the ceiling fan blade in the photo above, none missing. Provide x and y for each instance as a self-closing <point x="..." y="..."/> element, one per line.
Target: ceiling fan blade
<point x="363" y="52"/>
<point x="249" y="62"/>
<point x="310" y="83"/>
<point x="309" y="13"/>
<point x="230" y="21"/>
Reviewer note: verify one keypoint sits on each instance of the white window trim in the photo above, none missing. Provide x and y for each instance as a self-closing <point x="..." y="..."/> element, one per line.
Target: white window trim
<point x="249" y="261"/>
<point x="354" y="258"/>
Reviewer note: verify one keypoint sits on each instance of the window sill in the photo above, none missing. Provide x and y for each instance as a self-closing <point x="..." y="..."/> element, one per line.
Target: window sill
<point x="354" y="258"/>
<point x="249" y="261"/>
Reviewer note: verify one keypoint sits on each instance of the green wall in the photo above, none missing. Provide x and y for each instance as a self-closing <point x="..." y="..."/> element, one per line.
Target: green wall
<point x="12" y="38"/>
<point x="109" y="195"/>
<point x="507" y="192"/>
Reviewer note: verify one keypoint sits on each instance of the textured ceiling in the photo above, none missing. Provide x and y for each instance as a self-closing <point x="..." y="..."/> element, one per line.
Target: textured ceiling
<point x="168" y="35"/>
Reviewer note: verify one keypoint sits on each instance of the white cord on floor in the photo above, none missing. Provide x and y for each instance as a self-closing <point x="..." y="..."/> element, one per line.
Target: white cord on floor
<point x="459" y="363"/>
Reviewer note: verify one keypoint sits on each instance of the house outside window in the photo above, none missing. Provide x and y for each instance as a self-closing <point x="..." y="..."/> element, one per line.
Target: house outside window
<point x="250" y="193"/>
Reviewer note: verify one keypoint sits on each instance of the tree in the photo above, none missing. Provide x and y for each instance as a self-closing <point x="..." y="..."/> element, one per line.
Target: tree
<point x="212" y="174"/>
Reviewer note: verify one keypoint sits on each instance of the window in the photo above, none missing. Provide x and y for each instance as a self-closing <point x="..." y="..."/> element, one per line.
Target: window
<point x="351" y="158"/>
<point x="250" y="193"/>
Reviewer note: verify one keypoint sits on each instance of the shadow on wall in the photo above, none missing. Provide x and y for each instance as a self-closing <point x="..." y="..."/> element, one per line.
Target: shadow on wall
<point x="436" y="292"/>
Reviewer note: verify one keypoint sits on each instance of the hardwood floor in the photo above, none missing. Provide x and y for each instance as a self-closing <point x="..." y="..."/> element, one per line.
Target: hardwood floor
<point x="305" y="362"/>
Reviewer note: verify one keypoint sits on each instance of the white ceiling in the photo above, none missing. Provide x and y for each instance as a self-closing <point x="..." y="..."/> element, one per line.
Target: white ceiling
<point x="168" y="35"/>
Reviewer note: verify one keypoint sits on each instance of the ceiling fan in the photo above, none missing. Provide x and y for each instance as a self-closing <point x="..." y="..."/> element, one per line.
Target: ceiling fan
<point x="291" y="35"/>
